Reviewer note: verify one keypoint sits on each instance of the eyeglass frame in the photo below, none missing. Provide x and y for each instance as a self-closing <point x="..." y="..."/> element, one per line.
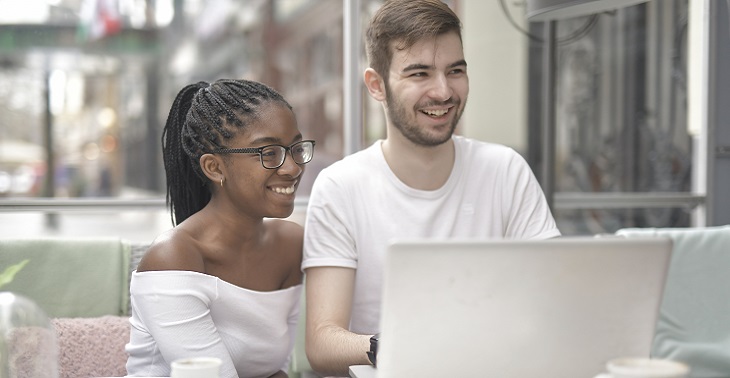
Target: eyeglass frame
<point x="259" y="151"/>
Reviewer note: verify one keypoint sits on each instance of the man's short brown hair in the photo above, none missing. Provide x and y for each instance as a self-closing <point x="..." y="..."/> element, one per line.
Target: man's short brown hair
<point x="401" y="23"/>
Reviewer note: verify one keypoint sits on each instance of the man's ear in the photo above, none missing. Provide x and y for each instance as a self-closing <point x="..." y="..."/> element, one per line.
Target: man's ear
<point x="212" y="167"/>
<point x="375" y="85"/>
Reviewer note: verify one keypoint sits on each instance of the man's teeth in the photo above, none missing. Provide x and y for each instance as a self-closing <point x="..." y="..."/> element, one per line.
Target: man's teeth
<point x="436" y="113"/>
<point x="288" y="190"/>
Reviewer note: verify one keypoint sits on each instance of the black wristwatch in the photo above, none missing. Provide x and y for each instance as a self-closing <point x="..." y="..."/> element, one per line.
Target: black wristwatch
<point x="373" y="352"/>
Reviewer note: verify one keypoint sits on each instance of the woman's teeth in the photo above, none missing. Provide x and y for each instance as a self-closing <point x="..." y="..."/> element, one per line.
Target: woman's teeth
<point x="288" y="190"/>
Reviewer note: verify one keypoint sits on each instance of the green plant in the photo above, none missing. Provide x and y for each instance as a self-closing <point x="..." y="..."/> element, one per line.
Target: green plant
<point x="7" y="276"/>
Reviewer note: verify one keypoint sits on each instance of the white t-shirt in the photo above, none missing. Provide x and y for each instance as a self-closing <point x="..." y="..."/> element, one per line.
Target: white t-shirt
<point x="180" y="314"/>
<point x="358" y="206"/>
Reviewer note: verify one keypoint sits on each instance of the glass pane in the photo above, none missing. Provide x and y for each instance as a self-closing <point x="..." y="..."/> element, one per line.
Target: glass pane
<point x="83" y="103"/>
<point x="622" y="112"/>
<point x="608" y="221"/>
<point x="622" y="122"/>
<point x="22" y="151"/>
<point x="83" y="108"/>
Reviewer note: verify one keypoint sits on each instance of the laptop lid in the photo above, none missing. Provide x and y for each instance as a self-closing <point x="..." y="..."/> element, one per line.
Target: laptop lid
<point x="554" y="308"/>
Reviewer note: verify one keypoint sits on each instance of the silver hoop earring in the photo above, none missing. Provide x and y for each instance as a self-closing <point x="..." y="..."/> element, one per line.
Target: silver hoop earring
<point x="221" y="182"/>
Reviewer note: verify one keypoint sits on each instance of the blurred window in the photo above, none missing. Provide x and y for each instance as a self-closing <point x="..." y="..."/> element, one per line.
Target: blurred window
<point x="86" y="85"/>
<point x="623" y="155"/>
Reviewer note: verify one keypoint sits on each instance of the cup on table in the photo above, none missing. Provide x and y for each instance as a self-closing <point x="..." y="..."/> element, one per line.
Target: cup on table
<point x="196" y="367"/>
<point x="641" y="367"/>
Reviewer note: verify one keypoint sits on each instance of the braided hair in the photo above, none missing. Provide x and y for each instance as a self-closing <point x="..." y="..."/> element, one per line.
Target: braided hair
<point x="202" y="118"/>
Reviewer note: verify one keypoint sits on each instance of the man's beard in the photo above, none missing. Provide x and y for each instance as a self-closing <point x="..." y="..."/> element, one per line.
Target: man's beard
<point x="398" y="116"/>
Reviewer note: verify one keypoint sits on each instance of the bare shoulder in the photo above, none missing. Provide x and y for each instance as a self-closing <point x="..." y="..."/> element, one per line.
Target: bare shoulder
<point x="175" y="249"/>
<point x="289" y="238"/>
<point x="286" y="231"/>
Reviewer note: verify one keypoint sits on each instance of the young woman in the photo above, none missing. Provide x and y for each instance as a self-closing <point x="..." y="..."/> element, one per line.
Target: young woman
<point x="226" y="280"/>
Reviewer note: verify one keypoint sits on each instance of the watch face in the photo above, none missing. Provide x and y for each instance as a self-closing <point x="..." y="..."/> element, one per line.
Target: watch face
<point x="374" y="343"/>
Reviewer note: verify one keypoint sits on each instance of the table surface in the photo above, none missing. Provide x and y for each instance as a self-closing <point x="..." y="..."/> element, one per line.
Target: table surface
<point x="362" y="371"/>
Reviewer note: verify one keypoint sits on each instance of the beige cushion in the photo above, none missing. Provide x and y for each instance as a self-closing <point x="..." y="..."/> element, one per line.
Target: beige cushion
<point x="92" y="347"/>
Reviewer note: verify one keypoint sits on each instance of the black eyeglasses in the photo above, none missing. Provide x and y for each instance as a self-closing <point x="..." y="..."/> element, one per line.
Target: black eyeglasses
<point x="273" y="155"/>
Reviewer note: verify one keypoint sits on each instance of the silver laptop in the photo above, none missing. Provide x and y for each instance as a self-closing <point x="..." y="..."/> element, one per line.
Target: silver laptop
<point x="555" y="308"/>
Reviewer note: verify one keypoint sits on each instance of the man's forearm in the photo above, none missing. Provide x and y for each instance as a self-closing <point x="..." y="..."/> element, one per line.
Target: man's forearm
<point x="332" y="350"/>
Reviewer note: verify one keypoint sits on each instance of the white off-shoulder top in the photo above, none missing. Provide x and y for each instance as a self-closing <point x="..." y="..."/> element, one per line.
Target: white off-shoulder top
<point x="180" y="314"/>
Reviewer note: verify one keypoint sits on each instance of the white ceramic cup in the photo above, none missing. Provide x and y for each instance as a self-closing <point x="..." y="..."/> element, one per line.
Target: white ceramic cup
<point x="196" y="367"/>
<point x="640" y="367"/>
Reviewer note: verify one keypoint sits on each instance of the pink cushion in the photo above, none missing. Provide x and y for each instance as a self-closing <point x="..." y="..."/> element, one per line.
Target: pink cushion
<point x="92" y="347"/>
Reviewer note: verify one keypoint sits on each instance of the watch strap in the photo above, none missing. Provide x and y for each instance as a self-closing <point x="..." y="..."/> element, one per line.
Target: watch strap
<point x="373" y="352"/>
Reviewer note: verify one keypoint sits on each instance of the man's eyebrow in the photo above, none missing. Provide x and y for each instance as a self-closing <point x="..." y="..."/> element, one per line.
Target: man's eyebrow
<point x="416" y="66"/>
<point x="420" y="66"/>
<point x="458" y="63"/>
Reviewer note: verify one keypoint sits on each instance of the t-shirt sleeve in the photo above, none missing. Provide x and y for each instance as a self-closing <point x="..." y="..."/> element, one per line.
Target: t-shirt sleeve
<point x="176" y="311"/>
<point x="327" y="237"/>
<point x="529" y="216"/>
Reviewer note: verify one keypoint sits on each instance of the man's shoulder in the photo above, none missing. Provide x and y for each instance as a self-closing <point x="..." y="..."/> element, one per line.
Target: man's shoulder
<point x="351" y="166"/>
<point x="471" y="147"/>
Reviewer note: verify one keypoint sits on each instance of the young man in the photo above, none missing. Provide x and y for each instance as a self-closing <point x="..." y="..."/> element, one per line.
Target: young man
<point x="421" y="181"/>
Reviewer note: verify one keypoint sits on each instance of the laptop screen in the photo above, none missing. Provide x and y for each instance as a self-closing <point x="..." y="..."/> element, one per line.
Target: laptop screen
<point x="559" y="308"/>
